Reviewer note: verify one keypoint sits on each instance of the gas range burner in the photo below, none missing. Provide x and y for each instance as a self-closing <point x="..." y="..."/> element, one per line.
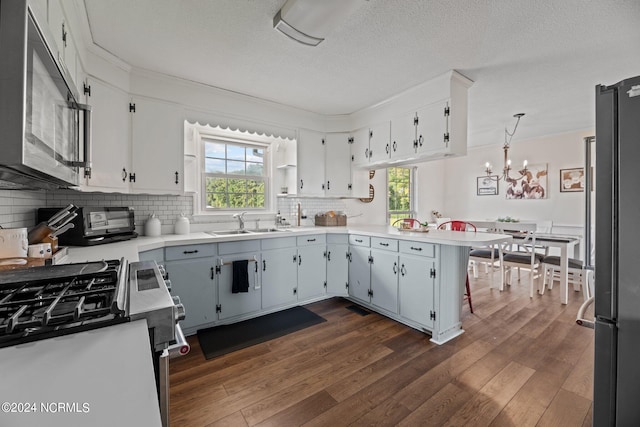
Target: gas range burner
<point x="44" y="302"/>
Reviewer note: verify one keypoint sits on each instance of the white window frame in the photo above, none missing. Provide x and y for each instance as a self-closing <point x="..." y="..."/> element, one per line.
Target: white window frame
<point x="266" y="177"/>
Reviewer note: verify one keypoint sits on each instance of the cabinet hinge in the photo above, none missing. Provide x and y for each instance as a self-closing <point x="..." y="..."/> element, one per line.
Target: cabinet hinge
<point x="218" y="308"/>
<point x="432" y="273"/>
<point x="218" y="269"/>
<point x="132" y="177"/>
<point x="446" y="137"/>
<point x="370" y="134"/>
<point x="349" y="186"/>
<point x="415" y="143"/>
<point x="352" y="158"/>
<point x="432" y="315"/>
<point x="350" y="140"/>
<point x="415" y="121"/>
<point x="295" y="291"/>
<point x="64" y="35"/>
<point x="325" y="284"/>
<point x="86" y="88"/>
<point x="325" y="254"/>
<point x="323" y="141"/>
<point x="446" y="111"/>
<point x="132" y="107"/>
<point x="370" y="259"/>
<point x="370" y="292"/>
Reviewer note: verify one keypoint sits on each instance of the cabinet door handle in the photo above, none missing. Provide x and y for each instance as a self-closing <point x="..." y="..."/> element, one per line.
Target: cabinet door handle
<point x="177" y="175"/>
<point x="328" y="255"/>
<point x="264" y="265"/>
<point x="395" y="268"/>
<point x="124" y="174"/>
<point x="384" y="244"/>
<point x="366" y="153"/>
<point x="359" y="240"/>
<point x="299" y="259"/>
<point x="301" y="184"/>
<point x="295" y="259"/>
<point x="190" y="252"/>
<point x="212" y="273"/>
<point x="403" y="270"/>
<point x="420" y="140"/>
<point x="328" y="185"/>
<point x="311" y="240"/>
<point x="395" y="145"/>
<point x="415" y="249"/>
<point x="386" y="148"/>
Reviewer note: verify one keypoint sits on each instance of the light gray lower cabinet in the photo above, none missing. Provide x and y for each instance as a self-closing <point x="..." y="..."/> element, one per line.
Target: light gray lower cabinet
<point x="242" y="303"/>
<point x="416" y="289"/>
<point x="191" y="269"/>
<point x="359" y="272"/>
<point x="312" y="270"/>
<point x="156" y="255"/>
<point x="384" y="280"/>
<point x="337" y="264"/>
<point x="279" y="270"/>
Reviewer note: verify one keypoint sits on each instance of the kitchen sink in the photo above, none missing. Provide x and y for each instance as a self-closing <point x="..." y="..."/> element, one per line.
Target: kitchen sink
<point x="228" y="232"/>
<point x="266" y="230"/>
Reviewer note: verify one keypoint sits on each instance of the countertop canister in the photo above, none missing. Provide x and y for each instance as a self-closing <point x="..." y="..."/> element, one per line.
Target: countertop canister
<point x="182" y="225"/>
<point x="153" y="226"/>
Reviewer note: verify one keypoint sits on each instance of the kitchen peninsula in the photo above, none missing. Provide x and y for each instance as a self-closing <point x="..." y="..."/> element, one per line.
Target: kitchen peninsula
<point x="415" y="278"/>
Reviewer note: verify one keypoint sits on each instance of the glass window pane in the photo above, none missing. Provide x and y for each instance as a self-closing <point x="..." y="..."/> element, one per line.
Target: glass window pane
<point x="255" y="155"/>
<point x="255" y="186"/>
<point x="214" y="149"/>
<point x="254" y="169"/>
<point x="216" y="185"/>
<point x="237" y="185"/>
<point x="235" y="168"/>
<point x="235" y="153"/>
<point x="216" y="200"/>
<point x="213" y="166"/>
<point x="237" y="200"/>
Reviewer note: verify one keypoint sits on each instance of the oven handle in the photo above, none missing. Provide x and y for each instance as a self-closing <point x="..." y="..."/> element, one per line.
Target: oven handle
<point x="181" y="347"/>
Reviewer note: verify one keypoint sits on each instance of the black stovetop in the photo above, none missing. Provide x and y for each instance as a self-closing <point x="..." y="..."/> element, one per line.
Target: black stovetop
<point x="44" y="302"/>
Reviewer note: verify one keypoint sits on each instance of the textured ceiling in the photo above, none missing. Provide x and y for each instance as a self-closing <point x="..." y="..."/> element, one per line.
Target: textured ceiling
<point x="541" y="57"/>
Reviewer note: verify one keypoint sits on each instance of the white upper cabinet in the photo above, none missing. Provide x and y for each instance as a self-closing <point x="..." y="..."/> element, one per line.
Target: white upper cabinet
<point x="310" y="166"/>
<point x="337" y="165"/>
<point x="157" y="147"/>
<point x="433" y="128"/>
<point x="379" y="142"/>
<point x="111" y="138"/>
<point x="360" y="148"/>
<point x="65" y="50"/>
<point x="403" y="136"/>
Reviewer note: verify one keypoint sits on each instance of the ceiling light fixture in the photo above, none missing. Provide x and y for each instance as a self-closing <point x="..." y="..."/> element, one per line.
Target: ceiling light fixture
<point x="506" y="169"/>
<point x="309" y="21"/>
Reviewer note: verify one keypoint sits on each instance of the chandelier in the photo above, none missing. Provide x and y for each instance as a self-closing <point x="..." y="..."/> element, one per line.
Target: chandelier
<point x="508" y="136"/>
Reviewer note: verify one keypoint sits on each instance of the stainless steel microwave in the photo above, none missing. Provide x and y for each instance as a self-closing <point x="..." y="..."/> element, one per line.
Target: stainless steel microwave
<point x="44" y="130"/>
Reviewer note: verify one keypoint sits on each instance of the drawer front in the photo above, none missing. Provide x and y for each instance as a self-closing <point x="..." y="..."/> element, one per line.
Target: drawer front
<point x="385" y="244"/>
<point x="238" y="247"/>
<point x="418" y="248"/>
<point x="279" y="242"/>
<point x="190" y="251"/>
<point x="338" y="238"/>
<point x="314" y="239"/>
<point x="358" y="240"/>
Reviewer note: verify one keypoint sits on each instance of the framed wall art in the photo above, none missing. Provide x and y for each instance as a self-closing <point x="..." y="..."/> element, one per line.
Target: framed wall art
<point x="531" y="184"/>
<point x="487" y="185"/>
<point x="571" y="180"/>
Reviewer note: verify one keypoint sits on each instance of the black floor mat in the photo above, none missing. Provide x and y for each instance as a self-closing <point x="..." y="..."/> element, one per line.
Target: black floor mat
<point x="361" y="311"/>
<point x="224" y="339"/>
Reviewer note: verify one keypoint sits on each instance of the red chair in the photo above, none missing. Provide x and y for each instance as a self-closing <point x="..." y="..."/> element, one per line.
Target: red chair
<point x="461" y="226"/>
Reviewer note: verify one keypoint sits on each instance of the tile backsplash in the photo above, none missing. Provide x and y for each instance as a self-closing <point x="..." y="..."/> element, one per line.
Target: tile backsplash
<point x="18" y="208"/>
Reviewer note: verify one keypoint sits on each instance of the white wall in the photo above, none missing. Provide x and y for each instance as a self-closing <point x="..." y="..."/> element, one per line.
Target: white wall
<point x="451" y="183"/>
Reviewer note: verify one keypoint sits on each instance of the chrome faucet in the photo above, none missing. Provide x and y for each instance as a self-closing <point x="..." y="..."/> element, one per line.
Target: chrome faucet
<point x="240" y="217"/>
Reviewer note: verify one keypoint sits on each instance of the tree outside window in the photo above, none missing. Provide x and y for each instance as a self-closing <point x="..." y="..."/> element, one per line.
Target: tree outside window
<point x="234" y="175"/>
<point x="399" y="193"/>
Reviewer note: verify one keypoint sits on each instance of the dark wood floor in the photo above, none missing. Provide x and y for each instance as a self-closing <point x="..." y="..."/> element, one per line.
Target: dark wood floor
<point x="520" y="362"/>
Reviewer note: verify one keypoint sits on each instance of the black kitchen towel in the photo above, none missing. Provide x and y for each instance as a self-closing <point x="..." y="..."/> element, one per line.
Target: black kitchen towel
<point x="240" y="282"/>
<point x="223" y="339"/>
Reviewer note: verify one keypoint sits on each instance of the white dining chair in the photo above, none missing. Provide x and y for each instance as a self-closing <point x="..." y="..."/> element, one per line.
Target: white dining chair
<point x="578" y="276"/>
<point x="521" y="253"/>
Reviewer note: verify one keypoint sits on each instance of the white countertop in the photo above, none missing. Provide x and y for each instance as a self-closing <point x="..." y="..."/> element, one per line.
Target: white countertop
<point x="129" y="249"/>
<point x="102" y="377"/>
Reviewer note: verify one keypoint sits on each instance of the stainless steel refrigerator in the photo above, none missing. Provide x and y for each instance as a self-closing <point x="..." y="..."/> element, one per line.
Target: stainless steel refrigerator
<point x="617" y="267"/>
